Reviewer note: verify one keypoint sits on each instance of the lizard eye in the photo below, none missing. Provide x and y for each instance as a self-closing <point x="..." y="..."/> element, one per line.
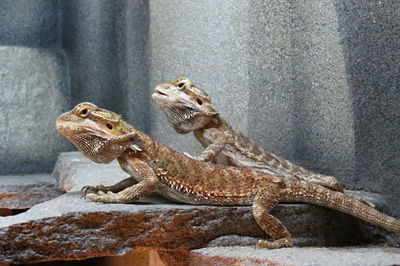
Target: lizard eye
<point x="181" y="84"/>
<point x="199" y="101"/>
<point x="83" y="113"/>
<point x="109" y="126"/>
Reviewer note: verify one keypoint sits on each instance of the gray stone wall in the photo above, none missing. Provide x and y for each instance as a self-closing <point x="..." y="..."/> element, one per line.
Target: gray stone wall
<point x="34" y="85"/>
<point x="313" y="81"/>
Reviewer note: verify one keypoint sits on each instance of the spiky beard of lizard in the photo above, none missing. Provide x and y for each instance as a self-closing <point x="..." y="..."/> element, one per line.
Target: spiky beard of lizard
<point x="181" y="118"/>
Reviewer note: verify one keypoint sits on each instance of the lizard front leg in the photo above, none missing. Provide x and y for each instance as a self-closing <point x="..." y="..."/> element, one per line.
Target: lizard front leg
<point x="121" y="185"/>
<point x="263" y="203"/>
<point x="128" y="182"/>
<point x="218" y="141"/>
<point x="132" y="193"/>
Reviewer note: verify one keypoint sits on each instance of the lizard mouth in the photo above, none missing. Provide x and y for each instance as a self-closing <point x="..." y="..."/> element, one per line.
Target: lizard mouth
<point x="166" y="98"/>
<point x="160" y="92"/>
<point x="66" y="124"/>
<point x="69" y="129"/>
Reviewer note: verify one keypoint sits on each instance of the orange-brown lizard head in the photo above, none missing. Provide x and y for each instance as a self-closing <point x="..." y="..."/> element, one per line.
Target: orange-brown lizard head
<point x="186" y="106"/>
<point x="99" y="134"/>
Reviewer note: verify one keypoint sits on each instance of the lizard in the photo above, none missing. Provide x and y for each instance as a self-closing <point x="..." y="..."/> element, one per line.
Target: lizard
<point x="189" y="109"/>
<point x="103" y="136"/>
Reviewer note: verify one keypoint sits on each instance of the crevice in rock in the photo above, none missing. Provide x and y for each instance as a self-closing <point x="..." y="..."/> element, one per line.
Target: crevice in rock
<point x="10" y="212"/>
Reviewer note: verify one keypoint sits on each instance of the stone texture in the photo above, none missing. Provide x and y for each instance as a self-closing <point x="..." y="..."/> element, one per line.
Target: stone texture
<point x="106" y="44"/>
<point x="305" y="256"/>
<point x="144" y="256"/>
<point x="305" y="106"/>
<point x="91" y="46"/>
<point x="31" y="23"/>
<point x="134" y="57"/>
<point x="70" y="227"/>
<point x="73" y="171"/>
<point x="370" y="33"/>
<point x="34" y="91"/>
<point x="23" y="191"/>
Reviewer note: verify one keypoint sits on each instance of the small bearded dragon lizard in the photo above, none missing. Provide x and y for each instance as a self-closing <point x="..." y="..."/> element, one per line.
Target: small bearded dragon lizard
<point x="188" y="108"/>
<point x="103" y="136"/>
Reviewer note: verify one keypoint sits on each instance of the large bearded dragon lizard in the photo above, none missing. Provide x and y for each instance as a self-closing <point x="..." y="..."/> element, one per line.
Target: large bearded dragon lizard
<point x="103" y="136"/>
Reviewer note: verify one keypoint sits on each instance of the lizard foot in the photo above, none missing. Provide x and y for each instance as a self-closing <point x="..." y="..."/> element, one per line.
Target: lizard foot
<point x="109" y="197"/>
<point x="364" y="200"/>
<point x="279" y="243"/>
<point x="91" y="189"/>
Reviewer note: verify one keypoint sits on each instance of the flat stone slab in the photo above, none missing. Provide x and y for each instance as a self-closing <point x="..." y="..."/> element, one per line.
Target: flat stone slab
<point x="70" y="227"/>
<point x="19" y="192"/>
<point x="300" y="256"/>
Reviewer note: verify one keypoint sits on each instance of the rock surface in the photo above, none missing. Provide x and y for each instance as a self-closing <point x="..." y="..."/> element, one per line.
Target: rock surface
<point x="304" y="256"/>
<point x="23" y="191"/>
<point x="69" y="227"/>
<point x="73" y="171"/>
<point x="34" y="91"/>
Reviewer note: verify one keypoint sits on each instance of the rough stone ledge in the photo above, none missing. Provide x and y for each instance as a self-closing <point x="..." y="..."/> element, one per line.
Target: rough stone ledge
<point x="369" y="255"/>
<point x="20" y="192"/>
<point x="70" y="227"/>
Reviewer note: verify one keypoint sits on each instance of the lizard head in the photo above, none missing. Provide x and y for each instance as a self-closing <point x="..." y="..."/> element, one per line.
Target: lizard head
<point x="99" y="134"/>
<point x="187" y="107"/>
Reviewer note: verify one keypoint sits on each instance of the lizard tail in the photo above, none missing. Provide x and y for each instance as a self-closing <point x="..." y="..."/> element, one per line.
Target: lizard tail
<point x="318" y="195"/>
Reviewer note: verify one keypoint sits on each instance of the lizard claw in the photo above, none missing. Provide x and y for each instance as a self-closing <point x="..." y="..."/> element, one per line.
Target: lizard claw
<point x="96" y="189"/>
<point x="86" y="189"/>
<point x="365" y="201"/>
<point x="197" y="158"/>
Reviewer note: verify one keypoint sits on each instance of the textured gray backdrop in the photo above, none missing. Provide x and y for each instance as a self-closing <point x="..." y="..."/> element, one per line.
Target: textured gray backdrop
<point x="314" y="81"/>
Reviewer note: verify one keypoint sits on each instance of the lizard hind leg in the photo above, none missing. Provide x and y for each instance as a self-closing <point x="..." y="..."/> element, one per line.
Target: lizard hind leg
<point x="263" y="203"/>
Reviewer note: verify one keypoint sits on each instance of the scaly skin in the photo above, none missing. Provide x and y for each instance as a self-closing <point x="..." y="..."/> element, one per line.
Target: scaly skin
<point x="189" y="109"/>
<point x="103" y="136"/>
